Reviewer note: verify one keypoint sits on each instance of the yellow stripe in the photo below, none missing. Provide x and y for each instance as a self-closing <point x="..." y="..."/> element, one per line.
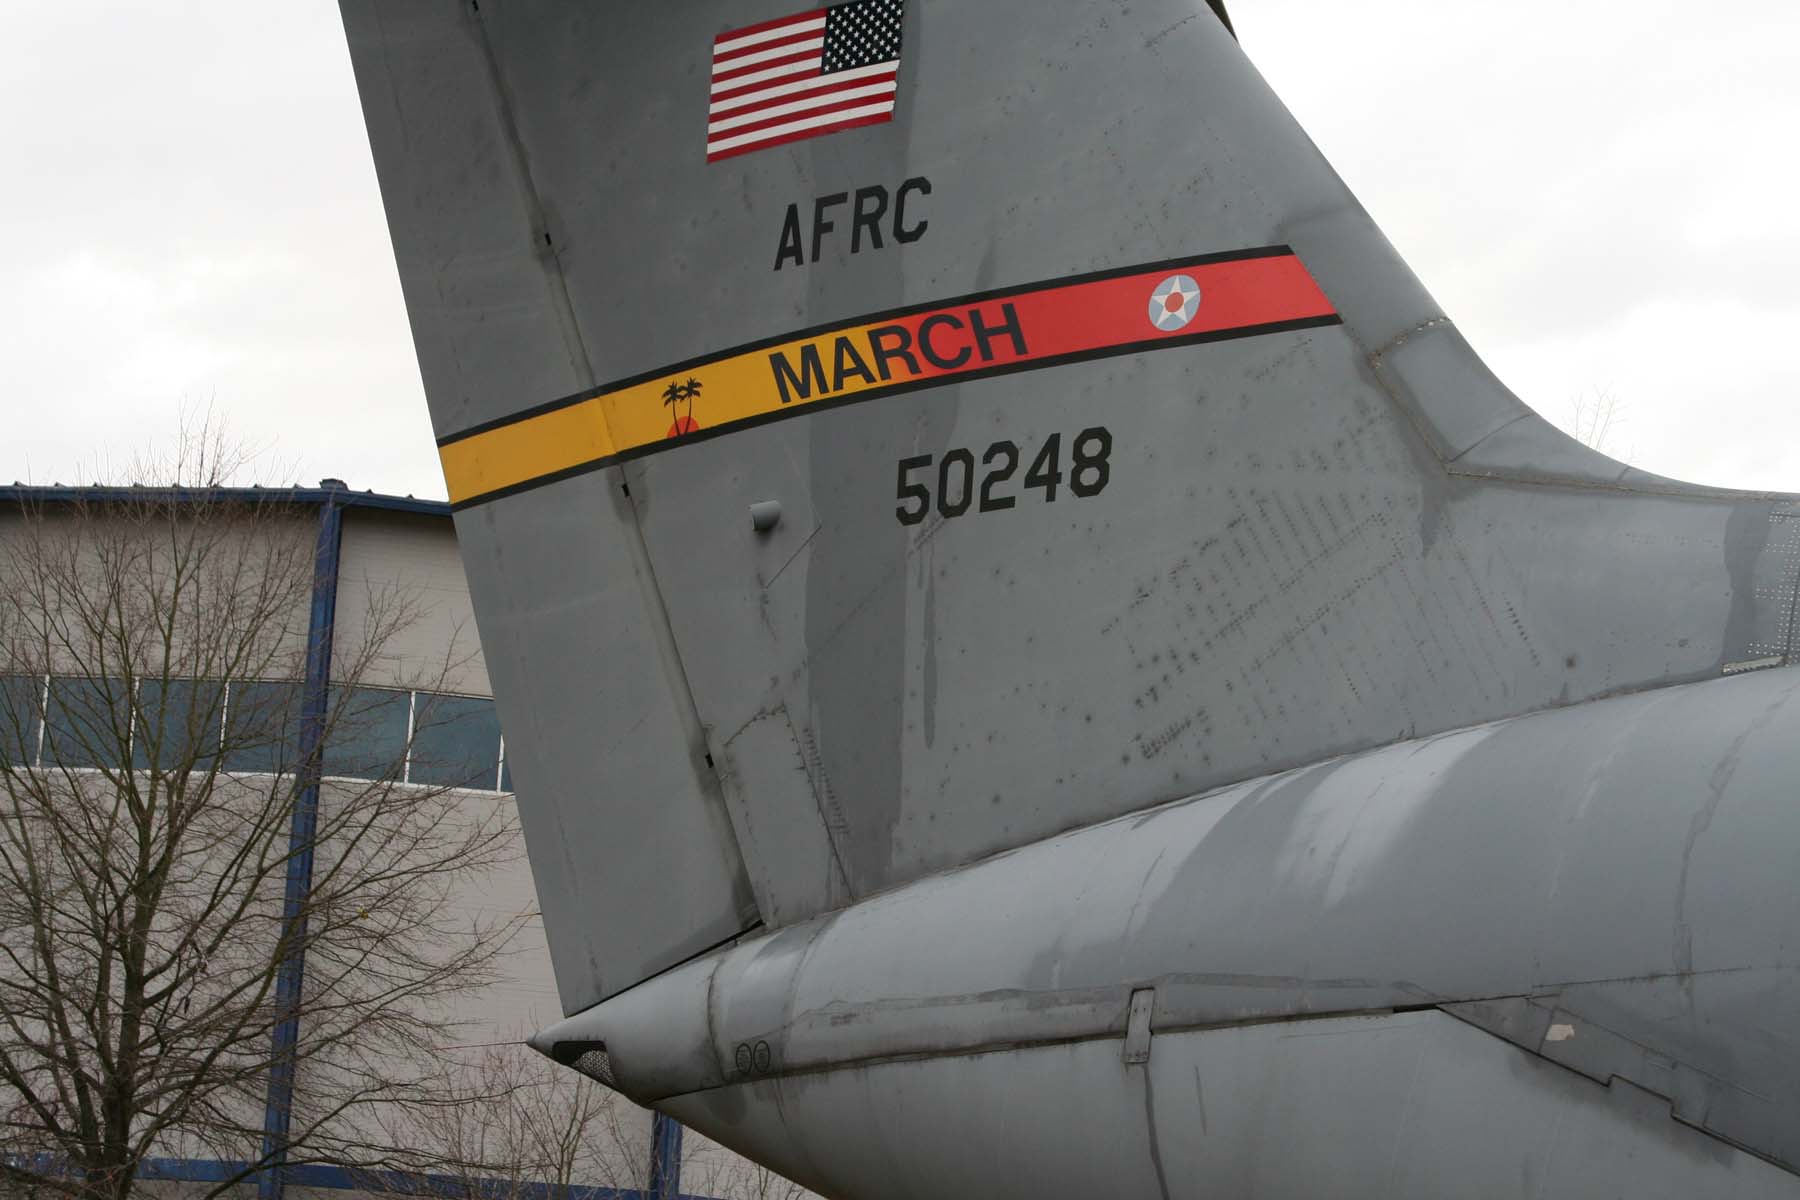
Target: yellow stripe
<point x="733" y="388"/>
<point x="513" y="454"/>
<point x="1256" y="290"/>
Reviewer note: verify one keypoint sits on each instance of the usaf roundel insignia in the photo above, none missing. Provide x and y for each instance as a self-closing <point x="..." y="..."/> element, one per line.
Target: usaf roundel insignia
<point x="1174" y="302"/>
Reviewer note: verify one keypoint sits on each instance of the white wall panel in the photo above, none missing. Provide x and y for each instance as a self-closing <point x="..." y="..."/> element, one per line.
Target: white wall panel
<point x="409" y="560"/>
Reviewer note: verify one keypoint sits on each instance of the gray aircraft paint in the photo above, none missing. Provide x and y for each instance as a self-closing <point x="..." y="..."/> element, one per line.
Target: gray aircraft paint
<point x="1315" y="543"/>
<point x="1623" y="868"/>
<point x="1411" y="1106"/>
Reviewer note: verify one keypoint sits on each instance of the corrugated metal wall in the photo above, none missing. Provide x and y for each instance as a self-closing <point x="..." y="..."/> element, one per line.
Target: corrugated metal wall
<point x="390" y="558"/>
<point x="406" y="565"/>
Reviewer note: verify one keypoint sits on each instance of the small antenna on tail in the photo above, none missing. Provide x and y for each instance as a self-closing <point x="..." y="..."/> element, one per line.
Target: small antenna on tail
<point x="1218" y="6"/>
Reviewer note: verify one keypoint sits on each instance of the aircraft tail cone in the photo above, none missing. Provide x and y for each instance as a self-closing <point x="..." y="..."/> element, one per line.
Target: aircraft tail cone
<point x="652" y="1041"/>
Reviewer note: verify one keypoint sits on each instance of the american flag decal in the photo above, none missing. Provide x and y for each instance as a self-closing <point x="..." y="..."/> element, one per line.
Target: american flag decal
<point x="800" y="76"/>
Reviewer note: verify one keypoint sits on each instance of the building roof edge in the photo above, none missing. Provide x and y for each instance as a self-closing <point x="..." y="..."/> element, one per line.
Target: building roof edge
<point x="329" y="491"/>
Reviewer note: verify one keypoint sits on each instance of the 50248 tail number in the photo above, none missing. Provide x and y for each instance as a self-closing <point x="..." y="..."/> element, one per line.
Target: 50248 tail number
<point x="961" y="485"/>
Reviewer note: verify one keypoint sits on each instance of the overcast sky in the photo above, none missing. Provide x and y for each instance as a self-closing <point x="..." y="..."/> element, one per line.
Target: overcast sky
<point x="1602" y="194"/>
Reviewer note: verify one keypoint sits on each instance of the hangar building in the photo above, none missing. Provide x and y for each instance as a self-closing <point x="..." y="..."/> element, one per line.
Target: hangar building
<point x="370" y="546"/>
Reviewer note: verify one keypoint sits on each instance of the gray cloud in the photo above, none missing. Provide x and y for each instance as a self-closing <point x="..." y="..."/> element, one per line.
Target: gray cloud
<point x="200" y="221"/>
<point x="1600" y="194"/>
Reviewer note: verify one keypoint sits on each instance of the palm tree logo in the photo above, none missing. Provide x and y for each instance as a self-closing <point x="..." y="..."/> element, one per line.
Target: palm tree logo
<point x="675" y="394"/>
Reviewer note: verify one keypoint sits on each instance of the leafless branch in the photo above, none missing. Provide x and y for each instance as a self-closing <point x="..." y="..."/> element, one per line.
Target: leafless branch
<point x="147" y="807"/>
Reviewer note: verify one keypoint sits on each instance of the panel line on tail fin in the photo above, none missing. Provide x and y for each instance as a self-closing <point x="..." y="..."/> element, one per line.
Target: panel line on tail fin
<point x="721" y="906"/>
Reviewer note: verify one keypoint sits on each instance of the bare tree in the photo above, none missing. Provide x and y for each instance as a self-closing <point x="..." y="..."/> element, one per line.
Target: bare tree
<point x="711" y="1170"/>
<point x="1598" y="420"/>
<point x="509" y="1122"/>
<point x="155" y="754"/>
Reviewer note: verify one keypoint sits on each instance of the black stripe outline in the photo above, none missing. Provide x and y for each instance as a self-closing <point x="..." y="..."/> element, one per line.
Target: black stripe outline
<point x="888" y="314"/>
<point x="913" y="385"/>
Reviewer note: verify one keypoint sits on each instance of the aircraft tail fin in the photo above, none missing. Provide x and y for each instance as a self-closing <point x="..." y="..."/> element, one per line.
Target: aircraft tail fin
<point x="888" y="434"/>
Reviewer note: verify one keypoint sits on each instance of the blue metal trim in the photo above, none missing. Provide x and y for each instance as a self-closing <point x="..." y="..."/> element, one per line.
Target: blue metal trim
<point x="314" y="697"/>
<point x="330" y="492"/>
<point x="403" y="1183"/>
<point x="324" y="1176"/>
<point x="665" y="1158"/>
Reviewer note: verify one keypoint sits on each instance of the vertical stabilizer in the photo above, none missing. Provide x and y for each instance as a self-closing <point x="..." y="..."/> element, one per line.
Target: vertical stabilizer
<point x="1116" y="454"/>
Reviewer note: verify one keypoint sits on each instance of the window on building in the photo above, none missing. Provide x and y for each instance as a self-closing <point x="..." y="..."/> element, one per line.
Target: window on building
<point x="21" y="719"/>
<point x="263" y="726"/>
<point x="456" y="741"/>
<point x="367" y="734"/>
<point x="179" y="723"/>
<point x="86" y="722"/>
<point x="255" y="725"/>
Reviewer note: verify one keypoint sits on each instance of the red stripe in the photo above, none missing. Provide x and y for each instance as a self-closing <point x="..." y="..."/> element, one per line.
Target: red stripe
<point x="1255" y="291"/>
<point x="769" y="24"/>
<point x="812" y="54"/>
<point x="871" y="119"/>
<point x="796" y="77"/>
<point x="823" y="110"/>
<point x="747" y="89"/>
<point x="742" y="89"/>
<point x="826" y="82"/>
<point x="732" y="61"/>
<point x="1076" y="318"/>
